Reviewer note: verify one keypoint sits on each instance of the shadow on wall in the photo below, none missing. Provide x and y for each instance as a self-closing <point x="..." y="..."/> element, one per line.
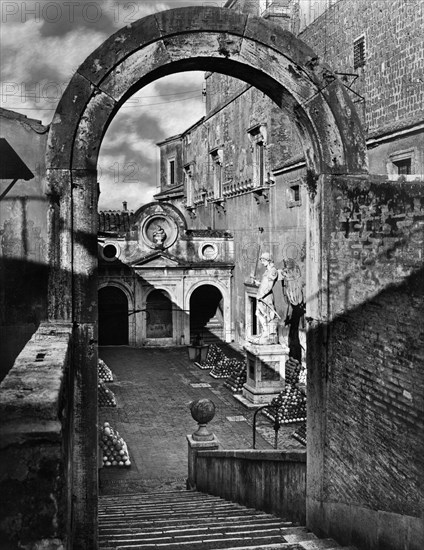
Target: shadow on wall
<point x="370" y="425"/>
<point x="23" y="305"/>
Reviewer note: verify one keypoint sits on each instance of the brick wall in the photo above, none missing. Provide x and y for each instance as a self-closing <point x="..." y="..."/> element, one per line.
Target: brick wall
<point x="391" y="80"/>
<point x="372" y="376"/>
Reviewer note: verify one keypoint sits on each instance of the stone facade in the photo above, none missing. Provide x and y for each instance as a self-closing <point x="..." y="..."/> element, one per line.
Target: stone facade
<point x="174" y="261"/>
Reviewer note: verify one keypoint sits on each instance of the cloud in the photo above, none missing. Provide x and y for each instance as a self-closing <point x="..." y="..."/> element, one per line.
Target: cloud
<point x="42" y="46"/>
<point x="129" y="151"/>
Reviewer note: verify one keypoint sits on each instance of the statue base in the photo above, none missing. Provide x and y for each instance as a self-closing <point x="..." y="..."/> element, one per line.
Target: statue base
<point x="265" y="373"/>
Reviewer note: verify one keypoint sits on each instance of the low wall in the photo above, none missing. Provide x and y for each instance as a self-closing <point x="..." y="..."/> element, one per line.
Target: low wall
<point x="272" y="481"/>
<point x="34" y="440"/>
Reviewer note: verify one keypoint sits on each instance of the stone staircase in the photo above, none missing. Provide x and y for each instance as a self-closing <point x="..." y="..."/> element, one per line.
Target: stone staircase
<point x="196" y="521"/>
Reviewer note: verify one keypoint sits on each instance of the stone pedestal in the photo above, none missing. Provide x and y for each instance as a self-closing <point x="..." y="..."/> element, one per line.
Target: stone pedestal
<point x="265" y="374"/>
<point x="194" y="447"/>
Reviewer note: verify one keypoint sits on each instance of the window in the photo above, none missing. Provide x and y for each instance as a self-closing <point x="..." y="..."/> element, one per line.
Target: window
<point x="171" y="172"/>
<point x="403" y="166"/>
<point x="253" y="319"/>
<point x="188" y="174"/>
<point x="217" y="156"/>
<point x="259" y="164"/>
<point x="403" y="163"/>
<point x="258" y="139"/>
<point x="359" y="52"/>
<point x="293" y="196"/>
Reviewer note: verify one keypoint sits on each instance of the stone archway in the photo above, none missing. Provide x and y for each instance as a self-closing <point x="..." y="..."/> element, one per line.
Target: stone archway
<point x="195" y="38"/>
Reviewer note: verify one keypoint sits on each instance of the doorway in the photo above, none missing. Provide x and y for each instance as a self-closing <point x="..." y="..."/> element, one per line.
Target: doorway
<point x="113" y="317"/>
<point x="207" y="314"/>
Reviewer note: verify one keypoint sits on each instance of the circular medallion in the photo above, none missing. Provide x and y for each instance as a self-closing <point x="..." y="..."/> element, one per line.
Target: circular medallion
<point x="159" y="231"/>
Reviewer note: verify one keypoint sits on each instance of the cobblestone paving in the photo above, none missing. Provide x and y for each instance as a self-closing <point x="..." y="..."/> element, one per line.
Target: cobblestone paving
<point x="153" y="389"/>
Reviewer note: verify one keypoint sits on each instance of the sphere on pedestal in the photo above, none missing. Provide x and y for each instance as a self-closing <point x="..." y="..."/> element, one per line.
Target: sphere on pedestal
<point x="202" y="410"/>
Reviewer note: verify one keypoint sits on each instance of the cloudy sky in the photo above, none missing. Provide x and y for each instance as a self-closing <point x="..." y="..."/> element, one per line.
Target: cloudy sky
<point x="43" y="42"/>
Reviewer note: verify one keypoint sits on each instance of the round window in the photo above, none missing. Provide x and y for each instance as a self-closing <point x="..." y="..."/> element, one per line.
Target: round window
<point x="208" y="251"/>
<point x="110" y="251"/>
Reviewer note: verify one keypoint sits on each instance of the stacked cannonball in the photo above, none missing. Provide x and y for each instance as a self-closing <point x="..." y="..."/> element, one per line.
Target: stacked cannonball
<point x="293" y="369"/>
<point x="106" y="397"/>
<point x="289" y="406"/>
<point x="300" y="433"/>
<point x="105" y="374"/>
<point x="237" y="378"/>
<point x="114" y="449"/>
<point x="215" y="354"/>
<point x="225" y="367"/>
<point x="302" y="375"/>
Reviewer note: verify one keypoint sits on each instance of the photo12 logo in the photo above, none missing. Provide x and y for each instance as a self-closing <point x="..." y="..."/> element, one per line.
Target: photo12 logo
<point x="71" y="11"/>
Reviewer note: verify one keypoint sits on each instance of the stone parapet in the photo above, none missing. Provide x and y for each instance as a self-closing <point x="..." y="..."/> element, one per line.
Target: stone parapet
<point x="33" y="442"/>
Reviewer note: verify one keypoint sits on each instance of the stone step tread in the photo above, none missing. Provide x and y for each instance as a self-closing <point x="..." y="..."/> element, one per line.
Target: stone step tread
<point x="163" y="495"/>
<point x="171" y="507"/>
<point x="145" y="498"/>
<point x="181" y="516"/>
<point x="195" y="534"/>
<point x="274" y="546"/>
<point x="203" y="537"/>
<point x="322" y="544"/>
<point x="177" y="523"/>
<point x="210" y="526"/>
<point x="205" y="544"/>
<point x="221" y="512"/>
<point x="193" y="522"/>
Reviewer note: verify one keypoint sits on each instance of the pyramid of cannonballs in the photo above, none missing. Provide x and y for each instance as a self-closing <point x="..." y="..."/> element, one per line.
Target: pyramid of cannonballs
<point x="225" y="367"/>
<point x="289" y="406"/>
<point x="105" y="374"/>
<point x="106" y="397"/>
<point x="113" y="447"/>
<point x="215" y="354"/>
<point x="237" y="378"/>
<point x="300" y="434"/>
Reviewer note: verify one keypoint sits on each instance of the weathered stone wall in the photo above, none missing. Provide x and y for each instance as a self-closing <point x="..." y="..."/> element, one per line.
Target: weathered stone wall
<point x="23" y="241"/>
<point x="391" y="80"/>
<point x="265" y="221"/>
<point x="272" y="481"/>
<point x="35" y="443"/>
<point x="368" y="388"/>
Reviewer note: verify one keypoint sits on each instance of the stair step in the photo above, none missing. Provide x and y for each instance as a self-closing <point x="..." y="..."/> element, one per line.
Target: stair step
<point x="320" y="544"/>
<point x="196" y="533"/>
<point x="205" y="544"/>
<point x="187" y="520"/>
<point x="211" y="526"/>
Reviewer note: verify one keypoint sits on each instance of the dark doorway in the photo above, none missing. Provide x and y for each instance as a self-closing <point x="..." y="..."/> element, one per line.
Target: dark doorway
<point x="158" y="315"/>
<point x="113" y="317"/>
<point x="207" y="314"/>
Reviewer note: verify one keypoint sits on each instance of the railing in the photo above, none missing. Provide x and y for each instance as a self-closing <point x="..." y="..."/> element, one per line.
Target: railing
<point x="272" y="481"/>
<point x="34" y="436"/>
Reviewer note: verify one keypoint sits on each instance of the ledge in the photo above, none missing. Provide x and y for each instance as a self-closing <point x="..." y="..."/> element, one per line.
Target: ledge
<point x="271" y="455"/>
<point x="30" y="395"/>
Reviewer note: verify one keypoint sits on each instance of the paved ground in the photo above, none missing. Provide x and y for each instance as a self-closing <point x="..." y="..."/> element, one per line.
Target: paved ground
<point x="153" y="389"/>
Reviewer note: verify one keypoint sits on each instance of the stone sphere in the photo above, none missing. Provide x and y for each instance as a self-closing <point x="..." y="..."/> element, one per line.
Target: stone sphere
<point x="202" y="410"/>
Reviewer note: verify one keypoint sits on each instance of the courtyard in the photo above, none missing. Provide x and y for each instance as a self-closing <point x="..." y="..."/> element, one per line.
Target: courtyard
<point x="154" y="388"/>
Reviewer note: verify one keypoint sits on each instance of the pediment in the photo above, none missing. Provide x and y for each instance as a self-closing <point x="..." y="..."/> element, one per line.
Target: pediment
<point x="156" y="261"/>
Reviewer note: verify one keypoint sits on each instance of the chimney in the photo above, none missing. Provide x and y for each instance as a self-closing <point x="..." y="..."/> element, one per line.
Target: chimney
<point x="124" y="205"/>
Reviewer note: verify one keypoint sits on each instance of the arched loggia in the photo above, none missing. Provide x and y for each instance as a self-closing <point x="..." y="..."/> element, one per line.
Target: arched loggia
<point x="193" y="38"/>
